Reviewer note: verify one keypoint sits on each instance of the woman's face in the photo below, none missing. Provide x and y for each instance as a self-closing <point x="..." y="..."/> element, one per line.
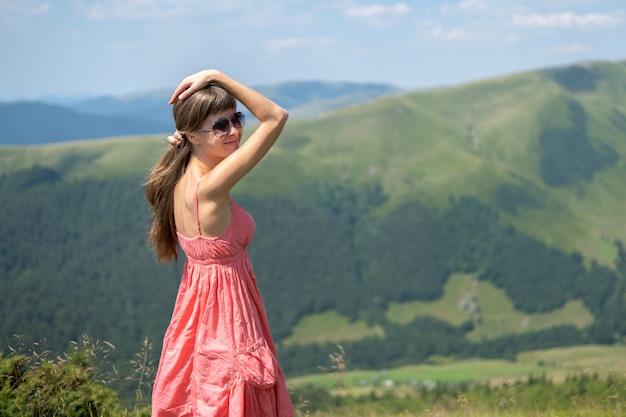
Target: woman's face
<point x="220" y="134"/>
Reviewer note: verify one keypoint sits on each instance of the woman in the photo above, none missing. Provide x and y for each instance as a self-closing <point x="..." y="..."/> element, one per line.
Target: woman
<point x="218" y="356"/>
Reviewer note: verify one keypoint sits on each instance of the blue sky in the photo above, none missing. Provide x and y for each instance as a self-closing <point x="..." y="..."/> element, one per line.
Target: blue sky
<point x="118" y="47"/>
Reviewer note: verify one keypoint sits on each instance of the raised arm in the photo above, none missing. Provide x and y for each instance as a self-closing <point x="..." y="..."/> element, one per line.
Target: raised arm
<point x="271" y="116"/>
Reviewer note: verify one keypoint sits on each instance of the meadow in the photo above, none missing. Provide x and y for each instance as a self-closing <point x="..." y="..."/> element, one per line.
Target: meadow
<point x="581" y="381"/>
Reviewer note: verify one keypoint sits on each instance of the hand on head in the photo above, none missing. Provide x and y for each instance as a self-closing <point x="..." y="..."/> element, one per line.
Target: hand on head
<point x="193" y="83"/>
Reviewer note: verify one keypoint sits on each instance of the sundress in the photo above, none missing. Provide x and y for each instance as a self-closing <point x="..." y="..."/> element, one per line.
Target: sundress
<point x="218" y="357"/>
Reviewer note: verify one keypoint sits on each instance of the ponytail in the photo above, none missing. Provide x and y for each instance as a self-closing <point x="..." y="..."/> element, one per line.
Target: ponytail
<point x="159" y="190"/>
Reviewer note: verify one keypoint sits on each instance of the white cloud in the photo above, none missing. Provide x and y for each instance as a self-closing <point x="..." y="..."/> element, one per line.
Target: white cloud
<point x="377" y="10"/>
<point x="466" y="6"/>
<point x="568" y="20"/>
<point x="455" y="34"/>
<point x="472" y="5"/>
<point x="149" y="9"/>
<point x="30" y="8"/>
<point x="570" y="48"/>
<point x="296" y="43"/>
<point x="39" y="9"/>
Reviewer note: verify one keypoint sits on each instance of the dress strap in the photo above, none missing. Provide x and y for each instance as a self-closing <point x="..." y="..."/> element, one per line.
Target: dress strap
<point x="196" y="202"/>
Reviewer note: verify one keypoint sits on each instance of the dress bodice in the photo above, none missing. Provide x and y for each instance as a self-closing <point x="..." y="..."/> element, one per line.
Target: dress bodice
<point x="226" y="247"/>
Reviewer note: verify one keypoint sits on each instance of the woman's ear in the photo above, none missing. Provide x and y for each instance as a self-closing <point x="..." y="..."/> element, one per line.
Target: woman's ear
<point x="193" y="139"/>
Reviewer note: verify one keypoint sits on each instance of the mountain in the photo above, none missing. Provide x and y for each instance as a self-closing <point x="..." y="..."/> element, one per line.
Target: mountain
<point x="151" y="105"/>
<point x="313" y="98"/>
<point x="301" y="98"/>
<point x="146" y="113"/>
<point x="475" y="220"/>
<point x="26" y="123"/>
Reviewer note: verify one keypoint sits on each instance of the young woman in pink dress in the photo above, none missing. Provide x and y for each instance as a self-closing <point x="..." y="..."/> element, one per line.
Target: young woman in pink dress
<point x="218" y="356"/>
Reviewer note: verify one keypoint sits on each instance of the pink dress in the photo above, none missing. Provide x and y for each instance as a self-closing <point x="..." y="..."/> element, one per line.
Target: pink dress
<point x="218" y="356"/>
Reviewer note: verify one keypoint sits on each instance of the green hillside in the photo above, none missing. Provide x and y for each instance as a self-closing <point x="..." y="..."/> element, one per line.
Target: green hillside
<point x="485" y="139"/>
<point x="477" y="220"/>
<point x="121" y="157"/>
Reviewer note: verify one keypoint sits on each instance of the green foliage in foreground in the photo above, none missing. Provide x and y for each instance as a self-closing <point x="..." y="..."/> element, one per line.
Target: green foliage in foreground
<point x="86" y="382"/>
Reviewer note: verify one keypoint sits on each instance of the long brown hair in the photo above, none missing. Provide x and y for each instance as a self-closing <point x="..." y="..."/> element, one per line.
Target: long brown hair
<point x="189" y="115"/>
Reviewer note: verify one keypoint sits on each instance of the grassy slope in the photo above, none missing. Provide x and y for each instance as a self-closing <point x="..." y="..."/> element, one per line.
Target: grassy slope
<point x="330" y="327"/>
<point x="469" y="140"/>
<point x="107" y="158"/>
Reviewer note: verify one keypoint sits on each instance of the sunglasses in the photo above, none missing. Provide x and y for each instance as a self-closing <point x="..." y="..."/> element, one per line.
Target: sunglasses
<point x="222" y="126"/>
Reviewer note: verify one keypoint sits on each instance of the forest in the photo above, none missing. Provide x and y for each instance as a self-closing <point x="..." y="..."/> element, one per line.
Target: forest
<point x="75" y="261"/>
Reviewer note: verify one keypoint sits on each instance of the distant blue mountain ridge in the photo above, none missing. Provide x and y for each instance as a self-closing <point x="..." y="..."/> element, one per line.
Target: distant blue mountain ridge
<point x="38" y="122"/>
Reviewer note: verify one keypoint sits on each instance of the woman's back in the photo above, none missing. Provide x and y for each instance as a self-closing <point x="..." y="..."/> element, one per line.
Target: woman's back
<point x="191" y="210"/>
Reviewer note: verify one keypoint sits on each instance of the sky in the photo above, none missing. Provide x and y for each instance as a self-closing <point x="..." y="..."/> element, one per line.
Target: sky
<point x="81" y="48"/>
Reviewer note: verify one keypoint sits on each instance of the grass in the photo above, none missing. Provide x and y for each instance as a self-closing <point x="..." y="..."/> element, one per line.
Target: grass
<point x="557" y="363"/>
<point x="580" y="381"/>
<point x="560" y="362"/>
<point x="498" y="316"/>
<point x="459" y="289"/>
<point x="361" y="382"/>
<point x="102" y="158"/>
<point x="462" y="410"/>
<point x="330" y="327"/>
